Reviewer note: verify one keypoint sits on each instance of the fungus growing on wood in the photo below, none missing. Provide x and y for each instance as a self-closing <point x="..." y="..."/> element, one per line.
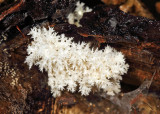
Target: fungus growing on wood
<point x="74" y="65"/>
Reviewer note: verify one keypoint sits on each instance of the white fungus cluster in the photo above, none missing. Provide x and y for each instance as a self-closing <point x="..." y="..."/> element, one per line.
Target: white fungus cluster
<point x="75" y="17"/>
<point x="75" y="66"/>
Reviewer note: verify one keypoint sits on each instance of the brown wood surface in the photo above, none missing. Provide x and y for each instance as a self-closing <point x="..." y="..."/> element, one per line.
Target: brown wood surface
<point x="26" y="91"/>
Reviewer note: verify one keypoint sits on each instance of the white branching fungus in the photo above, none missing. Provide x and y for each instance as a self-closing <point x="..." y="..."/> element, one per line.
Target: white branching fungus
<point x="74" y="17"/>
<point x="71" y="66"/>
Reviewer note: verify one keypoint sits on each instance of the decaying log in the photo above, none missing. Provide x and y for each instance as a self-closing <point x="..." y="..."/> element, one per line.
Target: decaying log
<point x="28" y="12"/>
<point x="137" y="37"/>
<point x="26" y="91"/>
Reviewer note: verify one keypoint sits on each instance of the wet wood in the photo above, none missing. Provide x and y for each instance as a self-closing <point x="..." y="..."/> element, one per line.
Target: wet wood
<point x="26" y="91"/>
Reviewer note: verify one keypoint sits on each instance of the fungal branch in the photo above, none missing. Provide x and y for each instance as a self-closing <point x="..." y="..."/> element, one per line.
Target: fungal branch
<point x="77" y="14"/>
<point x="74" y="66"/>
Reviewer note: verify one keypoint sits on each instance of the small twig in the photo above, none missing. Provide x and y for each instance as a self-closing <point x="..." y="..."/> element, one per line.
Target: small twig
<point x="20" y="31"/>
<point x="11" y="10"/>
